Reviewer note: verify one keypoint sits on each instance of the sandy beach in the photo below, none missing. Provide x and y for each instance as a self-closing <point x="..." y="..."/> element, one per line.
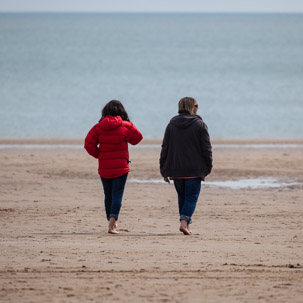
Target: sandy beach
<point x="246" y="246"/>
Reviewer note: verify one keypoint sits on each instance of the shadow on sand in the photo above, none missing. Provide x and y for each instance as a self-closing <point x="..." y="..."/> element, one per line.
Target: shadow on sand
<point x="122" y="234"/>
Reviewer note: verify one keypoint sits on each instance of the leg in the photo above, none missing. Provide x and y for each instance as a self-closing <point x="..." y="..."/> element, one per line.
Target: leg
<point x="192" y="191"/>
<point x="118" y="185"/>
<point x="180" y="188"/>
<point x="107" y="187"/>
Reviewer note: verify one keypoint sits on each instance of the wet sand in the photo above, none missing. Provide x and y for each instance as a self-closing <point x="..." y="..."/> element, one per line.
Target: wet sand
<point x="246" y="245"/>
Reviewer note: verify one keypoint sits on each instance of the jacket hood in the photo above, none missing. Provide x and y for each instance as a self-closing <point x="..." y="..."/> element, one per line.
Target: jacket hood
<point x="184" y="120"/>
<point x="110" y="122"/>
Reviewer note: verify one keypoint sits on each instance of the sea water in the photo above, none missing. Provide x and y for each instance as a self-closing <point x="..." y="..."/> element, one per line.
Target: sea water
<point x="57" y="71"/>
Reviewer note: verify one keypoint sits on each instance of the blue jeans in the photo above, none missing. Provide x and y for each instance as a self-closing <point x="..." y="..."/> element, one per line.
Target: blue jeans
<point x="188" y="193"/>
<point x="113" y="193"/>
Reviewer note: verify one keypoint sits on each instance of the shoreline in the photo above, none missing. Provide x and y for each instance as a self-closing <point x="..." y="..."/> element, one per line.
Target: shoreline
<point x="75" y="141"/>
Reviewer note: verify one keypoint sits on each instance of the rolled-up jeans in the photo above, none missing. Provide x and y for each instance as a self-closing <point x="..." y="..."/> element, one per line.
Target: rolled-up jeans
<point x="113" y="193"/>
<point x="188" y="193"/>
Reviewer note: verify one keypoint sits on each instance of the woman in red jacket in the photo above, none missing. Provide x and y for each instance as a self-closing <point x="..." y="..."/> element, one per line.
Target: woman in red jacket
<point x="108" y="142"/>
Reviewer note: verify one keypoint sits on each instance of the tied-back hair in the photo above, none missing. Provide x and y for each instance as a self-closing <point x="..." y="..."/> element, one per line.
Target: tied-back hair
<point x="114" y="108"/>
<point x="186" y="105"/>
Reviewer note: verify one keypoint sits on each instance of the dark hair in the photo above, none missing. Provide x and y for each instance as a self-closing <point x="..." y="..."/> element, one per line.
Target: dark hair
<point x="114" y="108"/>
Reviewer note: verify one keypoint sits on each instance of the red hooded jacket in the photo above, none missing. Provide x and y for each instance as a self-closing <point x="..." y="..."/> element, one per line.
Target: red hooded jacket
<point x="108" y="142"/>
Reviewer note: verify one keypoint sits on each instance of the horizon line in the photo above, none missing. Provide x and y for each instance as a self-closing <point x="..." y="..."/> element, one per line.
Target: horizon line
<point x="150" y="12"/>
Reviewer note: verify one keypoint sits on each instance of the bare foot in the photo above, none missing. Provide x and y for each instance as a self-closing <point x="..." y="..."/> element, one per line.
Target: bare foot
<point x="112" y="226"/>
<point x="184" y="229"/>
<point x="113" y="231"/>
<point x="189" y="229"/>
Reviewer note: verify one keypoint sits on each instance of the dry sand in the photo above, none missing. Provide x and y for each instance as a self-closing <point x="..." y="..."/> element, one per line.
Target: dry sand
<point x="247" y="244"/>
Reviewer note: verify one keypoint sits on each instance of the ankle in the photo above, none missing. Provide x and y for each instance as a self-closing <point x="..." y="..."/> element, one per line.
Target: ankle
<point x="184" y="223"/>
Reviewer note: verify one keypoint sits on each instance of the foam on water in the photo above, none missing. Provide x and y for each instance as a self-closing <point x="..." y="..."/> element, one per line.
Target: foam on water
<point x="215" y="146"/>
<point x="40" y="146"/>
<point x="238" y="184"/>
<point x="251" y="183"/>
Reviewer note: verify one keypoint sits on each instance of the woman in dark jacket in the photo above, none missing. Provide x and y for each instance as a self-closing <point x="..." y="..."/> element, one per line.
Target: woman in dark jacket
<point x="108" y="142"/>
<point x="186" y="157"/>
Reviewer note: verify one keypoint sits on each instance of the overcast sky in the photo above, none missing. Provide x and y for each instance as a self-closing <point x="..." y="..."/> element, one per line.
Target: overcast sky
<point x="151" y="5"/>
